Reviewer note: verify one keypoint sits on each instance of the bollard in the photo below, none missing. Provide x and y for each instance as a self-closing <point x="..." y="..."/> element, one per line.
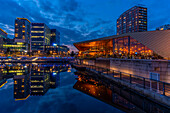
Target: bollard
<point x="113" y="73"/>
<point x="144" y="83"/>
<point x="163" y="88"/>
<point x="130" y="78"/>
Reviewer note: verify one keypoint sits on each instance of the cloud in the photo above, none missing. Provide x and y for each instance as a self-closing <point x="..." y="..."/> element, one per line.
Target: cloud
<point x="8" y="28"/>
<point x="79" y="20"/>
<point x="68" y="5"/>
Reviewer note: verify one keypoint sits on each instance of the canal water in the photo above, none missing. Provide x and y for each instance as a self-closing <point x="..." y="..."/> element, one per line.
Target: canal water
<point x="58" y="88"/>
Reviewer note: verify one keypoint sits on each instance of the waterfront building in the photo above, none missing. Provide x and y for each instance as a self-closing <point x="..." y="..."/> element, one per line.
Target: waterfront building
<point x="21" y="87"/>
<point x="3" y="35"/>
<point x="138" y="45"/>
<point x="132" y="20"/>
<point x="55" y="37"/>
<point x="164" y="27"/>
<point x="23" y="33"/>
<point x="40" y="81"/>
<point x="57" y="50"/>
<point x="11" y="46"/>
<point x="40" y="36"/>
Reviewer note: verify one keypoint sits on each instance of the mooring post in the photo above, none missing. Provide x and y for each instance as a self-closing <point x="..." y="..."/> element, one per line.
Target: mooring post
<point x="144" y="83"/>
<point x="163" y="88"/>
<point x="130" y="78"/>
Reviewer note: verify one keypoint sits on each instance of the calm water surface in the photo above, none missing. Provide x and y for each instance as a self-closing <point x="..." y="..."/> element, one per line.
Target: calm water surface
<point x="51" y="88"/>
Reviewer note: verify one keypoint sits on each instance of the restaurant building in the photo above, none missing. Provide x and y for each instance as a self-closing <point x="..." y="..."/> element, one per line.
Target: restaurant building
<point x="137" y="45"/>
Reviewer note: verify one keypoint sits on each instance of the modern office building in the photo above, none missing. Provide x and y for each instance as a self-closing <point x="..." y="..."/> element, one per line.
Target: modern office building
<point x="23" y="32"/>
<point x="10" y="45"/>
<point x="132" y="20"/>
<point x="55" y="37"/>
<point x="21" y="87"/>
<point x="164" y="27"/>
<point x="40" y="36"/>
<point x="138" y="45"/>
<point x="3" y="35"/>
<point x="40" y="81"/>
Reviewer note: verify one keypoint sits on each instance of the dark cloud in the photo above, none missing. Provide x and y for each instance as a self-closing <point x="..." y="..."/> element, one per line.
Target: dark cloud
<point x="68" y="5"/>
<point x="79" y="20"/>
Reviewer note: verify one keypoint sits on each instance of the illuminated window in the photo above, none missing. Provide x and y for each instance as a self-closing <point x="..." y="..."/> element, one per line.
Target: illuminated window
<point x="23" y="37"/>
<point x="37" y="31"/>
<point x="15" y="82"/>
<point x="37" y="26"/>
<point x="16" y="34"/>
<point x="37" y="36"/>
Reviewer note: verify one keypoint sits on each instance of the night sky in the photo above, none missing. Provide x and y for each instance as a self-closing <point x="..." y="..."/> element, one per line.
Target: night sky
<point x="79" y="20"/>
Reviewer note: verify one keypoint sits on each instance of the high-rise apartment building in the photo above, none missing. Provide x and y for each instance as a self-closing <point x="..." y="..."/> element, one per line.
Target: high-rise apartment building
<point x="132" y="20"/>
<point x="40" y="36"/>
<point x="55" y="37"/>
<point x="23" y="32"/>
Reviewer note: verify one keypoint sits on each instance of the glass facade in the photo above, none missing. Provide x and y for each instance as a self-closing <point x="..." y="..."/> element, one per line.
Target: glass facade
<point x="127" y="46"/>
<point x="40" y="36"/>
<point x="57" y="50"/>
<point x="123" y="47"/>
<point x="55" y="37"/>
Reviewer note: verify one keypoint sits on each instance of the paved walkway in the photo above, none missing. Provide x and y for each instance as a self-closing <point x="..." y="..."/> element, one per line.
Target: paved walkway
<point x="156" y="86"/>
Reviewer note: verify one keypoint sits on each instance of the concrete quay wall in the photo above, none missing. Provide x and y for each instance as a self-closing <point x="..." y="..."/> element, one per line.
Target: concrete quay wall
<point x="156" y="97"/>
<point x="140" y="67"/>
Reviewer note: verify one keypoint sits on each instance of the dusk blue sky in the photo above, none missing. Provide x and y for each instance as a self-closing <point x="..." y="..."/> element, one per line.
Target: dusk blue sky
<point x="79" y="20"/>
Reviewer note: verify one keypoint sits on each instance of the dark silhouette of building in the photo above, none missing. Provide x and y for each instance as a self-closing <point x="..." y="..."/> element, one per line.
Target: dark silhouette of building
<point x="55" y="37"/>
<point x="164" y="27"/>
<point x="3" y="35"/>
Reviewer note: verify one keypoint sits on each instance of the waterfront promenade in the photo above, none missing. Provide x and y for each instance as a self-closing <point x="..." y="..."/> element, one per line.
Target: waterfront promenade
<point x="35" y="59"/>
<point x="158" y="91"/>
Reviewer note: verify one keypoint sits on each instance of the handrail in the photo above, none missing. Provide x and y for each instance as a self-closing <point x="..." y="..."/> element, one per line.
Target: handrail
<point x="161" y="87"/>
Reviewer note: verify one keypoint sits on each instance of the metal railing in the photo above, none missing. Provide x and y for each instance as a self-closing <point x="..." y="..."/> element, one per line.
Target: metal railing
<point x="146" y="83"/>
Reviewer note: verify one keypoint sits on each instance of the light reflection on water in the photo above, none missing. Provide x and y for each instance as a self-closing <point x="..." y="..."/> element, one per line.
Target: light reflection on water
<point x="45" y="88"/>
<point x="57" y="88"/>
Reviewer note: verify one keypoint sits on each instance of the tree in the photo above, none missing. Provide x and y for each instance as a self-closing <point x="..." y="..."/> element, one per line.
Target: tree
<point x="72" y="54"/>
<point x="48" y="52"/>
<point x="8" y="50"/>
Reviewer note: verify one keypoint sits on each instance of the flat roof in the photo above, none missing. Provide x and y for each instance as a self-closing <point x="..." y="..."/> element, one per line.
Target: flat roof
<point x="23" y="19"/>
<point x="3" y="31"/>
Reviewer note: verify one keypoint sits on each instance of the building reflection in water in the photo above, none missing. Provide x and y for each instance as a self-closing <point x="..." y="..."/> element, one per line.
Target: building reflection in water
<point x="114" y="95"/>
<point x="32" y="79"/>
